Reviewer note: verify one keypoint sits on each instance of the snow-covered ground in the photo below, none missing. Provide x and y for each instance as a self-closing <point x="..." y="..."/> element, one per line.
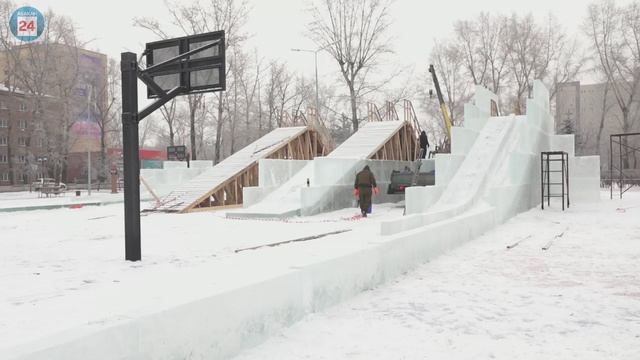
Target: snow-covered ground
<point x="580" y="299"/>
<point x="25" y="199"/>
<point x="63" y="269"/>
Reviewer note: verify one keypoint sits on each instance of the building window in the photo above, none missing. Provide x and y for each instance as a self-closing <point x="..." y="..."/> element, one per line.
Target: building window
<point x="3" y="141"/>
<point x="22" y="141"/>
<point x="3" y="159"/>
<point x="4" y="123"/>
<point x="5" y="177"/>
<point x="22" y="107"/>
<point x="22" y="159"/>
<point x="3" y="105"/>
<point x="40" y="143"/>
<point x="22" y="124"/>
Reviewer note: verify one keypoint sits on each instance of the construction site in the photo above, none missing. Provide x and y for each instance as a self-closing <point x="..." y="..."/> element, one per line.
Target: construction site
<point x="233" y="253"/>
<point x="320" y="180"/>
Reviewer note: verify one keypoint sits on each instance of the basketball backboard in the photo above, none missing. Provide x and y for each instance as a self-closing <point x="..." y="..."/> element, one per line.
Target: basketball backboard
<point x="204" y="71"/>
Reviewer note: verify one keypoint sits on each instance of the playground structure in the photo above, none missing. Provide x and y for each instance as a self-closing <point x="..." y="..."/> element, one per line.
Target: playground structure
<point x="324" y="184"/>
<point x="492" y="173"/>
<point x="494" y="166"/>
<point x="222" y="185"/>
<point x="236" y="179"/>
<point x="493" y="159"/>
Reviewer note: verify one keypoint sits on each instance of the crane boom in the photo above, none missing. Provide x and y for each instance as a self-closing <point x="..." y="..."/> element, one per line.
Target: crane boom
<point x="443" y="105"/>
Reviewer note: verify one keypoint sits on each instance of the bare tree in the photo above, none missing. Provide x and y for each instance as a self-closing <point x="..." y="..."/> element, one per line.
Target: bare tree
<point x="539" y="52"/>
<point x="354" y="32"/>
<point x="148" y="131"/>
<point x="277" y="92"/>
<point x="168" y="113"/>
<point x="108" y="108"/>
<point x="249" y="82"/>
<point x="451" y="70"/>
<point x="524" y="47"/>
<point x="483" y="50"/>
<point x="615" y="38"/>
<point x="195" y="17"/>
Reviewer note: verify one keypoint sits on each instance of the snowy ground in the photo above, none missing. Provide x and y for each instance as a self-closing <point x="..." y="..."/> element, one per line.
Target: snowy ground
<point x="580" y="299"/>
<point x="25" y="199"/>
<point x="63" y="269"/>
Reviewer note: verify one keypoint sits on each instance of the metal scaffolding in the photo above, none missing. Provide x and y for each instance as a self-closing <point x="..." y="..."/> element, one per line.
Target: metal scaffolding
<point x="546" y="160"/>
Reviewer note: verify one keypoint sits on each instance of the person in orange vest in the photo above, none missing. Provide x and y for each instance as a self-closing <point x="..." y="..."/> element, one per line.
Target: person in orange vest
<point x="363" y="188"/>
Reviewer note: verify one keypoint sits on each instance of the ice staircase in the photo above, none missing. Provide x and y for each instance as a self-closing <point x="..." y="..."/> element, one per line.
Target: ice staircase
<point x="337" y="167"/>
<point x="197" y="189"/>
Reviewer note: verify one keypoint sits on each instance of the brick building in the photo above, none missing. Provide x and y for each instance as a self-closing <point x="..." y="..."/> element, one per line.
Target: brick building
<point x="73" y="114"/>
<point x="24" y="143"/>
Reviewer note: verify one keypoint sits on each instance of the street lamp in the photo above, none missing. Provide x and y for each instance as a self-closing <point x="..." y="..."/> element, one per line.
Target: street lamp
<point x="315" y="55"/>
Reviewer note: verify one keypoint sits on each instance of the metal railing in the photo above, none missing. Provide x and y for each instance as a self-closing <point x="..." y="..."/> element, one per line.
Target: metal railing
<point x="625" y="182"/>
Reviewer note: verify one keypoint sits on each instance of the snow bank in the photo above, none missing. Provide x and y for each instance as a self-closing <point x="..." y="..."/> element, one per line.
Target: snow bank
<point x="577" y="300"/>
<point x="256" y="300"/>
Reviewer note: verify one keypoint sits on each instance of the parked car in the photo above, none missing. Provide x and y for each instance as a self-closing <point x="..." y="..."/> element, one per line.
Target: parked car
<point x="400" y="180"/>
<point x="47" y="182"/>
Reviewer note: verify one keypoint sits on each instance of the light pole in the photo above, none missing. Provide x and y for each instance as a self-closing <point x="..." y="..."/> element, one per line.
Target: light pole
<point x="315" y="56"/>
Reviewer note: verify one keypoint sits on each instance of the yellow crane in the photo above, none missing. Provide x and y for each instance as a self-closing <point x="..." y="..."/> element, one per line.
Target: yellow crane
<point x="443" y="108"/>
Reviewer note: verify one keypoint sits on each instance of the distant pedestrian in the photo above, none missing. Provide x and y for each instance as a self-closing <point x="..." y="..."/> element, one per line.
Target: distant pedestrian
<point x="424" y="144"/>
<point x="364" y="186"/>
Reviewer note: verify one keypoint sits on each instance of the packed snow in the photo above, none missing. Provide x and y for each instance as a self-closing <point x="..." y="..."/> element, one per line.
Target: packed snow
<point x="580" y="299"/>
<point x="26" y="199"/>
<point x="62" y="269"/>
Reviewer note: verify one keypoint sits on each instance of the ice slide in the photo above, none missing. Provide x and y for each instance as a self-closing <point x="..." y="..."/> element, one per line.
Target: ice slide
<point x="324" y="175"/>
<point x="193" y="191"/>
<point x="495" y="164"/>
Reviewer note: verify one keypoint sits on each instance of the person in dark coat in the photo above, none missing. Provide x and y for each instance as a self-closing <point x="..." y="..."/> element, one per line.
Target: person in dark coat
<point x="364" y="186"/>
<point x="424" y="143"/>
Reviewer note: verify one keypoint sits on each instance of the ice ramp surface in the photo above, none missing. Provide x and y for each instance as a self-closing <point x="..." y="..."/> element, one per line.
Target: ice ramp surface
<point x="366" y="142"/>
<point x="471" y="180"/>
<point x="468" y="184"/>
<point x="199" y="188"/>
<point x="286" y="201"/>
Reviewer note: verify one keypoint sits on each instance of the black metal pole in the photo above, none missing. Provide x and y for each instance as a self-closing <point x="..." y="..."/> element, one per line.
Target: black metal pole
<point x="621" y="165"/>
<point x="542" y="180"/>
<point x="568" y="192"/>
<point x="562" y="165"/>
<point x="129" y="69"/>
<point x="548" y="182"/>
<point x="611" y="165"/>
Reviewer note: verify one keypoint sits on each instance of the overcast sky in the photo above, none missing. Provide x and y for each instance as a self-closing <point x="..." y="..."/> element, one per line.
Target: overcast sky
<point x="277" y="26"/>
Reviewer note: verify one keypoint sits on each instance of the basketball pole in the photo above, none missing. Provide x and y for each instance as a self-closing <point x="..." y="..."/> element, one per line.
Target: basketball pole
<point x="131" y="116"/>
<point x="129" y="69"/>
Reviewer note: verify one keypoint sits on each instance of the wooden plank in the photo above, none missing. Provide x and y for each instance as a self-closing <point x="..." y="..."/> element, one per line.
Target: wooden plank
<point x="309" y="146"/>
<point x="397" y="147"/>
<point x="406" y="143"/>
<point x="150" y="190"/>
<point x="215" y="208"/>
<point x="301" y="155"/>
